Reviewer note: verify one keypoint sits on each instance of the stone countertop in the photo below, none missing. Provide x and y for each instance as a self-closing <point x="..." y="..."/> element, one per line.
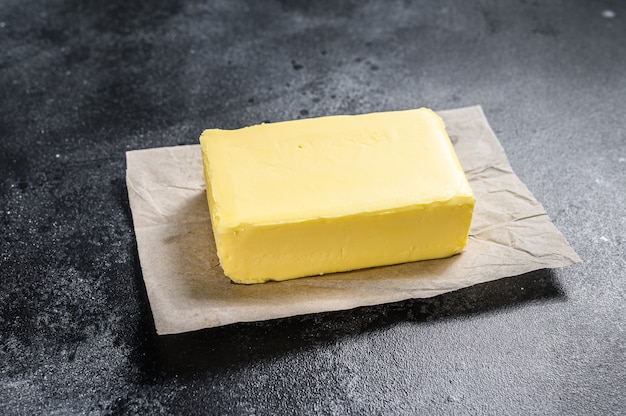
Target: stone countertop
<point x="83" y="82"/>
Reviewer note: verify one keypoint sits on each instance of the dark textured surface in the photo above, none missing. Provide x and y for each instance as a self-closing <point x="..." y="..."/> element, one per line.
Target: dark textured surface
<point x="83" y="81"/>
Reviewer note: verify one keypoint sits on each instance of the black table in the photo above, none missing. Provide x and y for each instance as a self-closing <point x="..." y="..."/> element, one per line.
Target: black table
<point x="84" y="81"/>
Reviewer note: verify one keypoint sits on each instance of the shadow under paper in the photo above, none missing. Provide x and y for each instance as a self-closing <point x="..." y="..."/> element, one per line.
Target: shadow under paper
<point x="214" y="349"/>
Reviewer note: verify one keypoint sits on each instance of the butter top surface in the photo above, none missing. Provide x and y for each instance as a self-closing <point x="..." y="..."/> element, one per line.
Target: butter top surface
<point x="330" y="167"/>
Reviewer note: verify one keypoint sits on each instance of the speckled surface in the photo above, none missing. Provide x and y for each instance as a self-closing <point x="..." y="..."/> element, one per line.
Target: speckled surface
<point x="84" y="81"/>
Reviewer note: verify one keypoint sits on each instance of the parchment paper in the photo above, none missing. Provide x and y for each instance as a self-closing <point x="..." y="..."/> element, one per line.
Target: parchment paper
<point x="511" y="234"/>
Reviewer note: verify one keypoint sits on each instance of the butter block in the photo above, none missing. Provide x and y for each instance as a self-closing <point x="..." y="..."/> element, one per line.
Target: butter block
<point x="331" y="194"/>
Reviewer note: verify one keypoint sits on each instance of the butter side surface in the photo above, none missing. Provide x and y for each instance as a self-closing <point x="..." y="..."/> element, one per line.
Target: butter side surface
<point x="338" y="193"/>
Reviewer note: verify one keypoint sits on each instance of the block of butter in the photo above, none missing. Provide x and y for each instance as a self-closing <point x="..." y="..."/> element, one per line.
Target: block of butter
<point x="331" y="194"/>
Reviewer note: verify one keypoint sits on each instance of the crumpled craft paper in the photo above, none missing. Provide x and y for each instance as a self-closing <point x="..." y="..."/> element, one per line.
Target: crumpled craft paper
<point x="511" y="234"/>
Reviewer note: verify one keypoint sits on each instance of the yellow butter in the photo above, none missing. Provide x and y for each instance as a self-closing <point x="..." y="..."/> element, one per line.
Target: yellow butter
<point x="331" y="194"/>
